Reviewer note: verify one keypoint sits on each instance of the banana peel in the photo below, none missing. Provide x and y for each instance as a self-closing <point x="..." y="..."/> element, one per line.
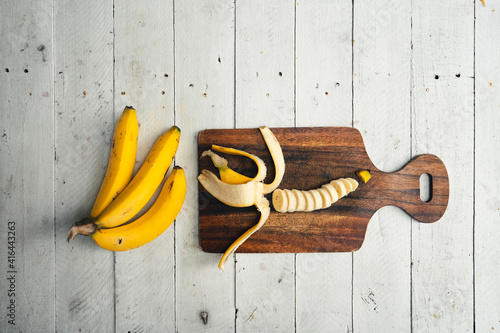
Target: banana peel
<point x="228" y="175"/>
<point x="237" y="190"/>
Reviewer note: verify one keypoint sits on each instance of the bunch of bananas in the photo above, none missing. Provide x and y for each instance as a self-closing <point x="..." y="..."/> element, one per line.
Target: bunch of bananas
<point x="121" y="197"/>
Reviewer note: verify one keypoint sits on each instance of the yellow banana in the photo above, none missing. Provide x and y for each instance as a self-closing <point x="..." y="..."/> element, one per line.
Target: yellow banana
<point x="153" y="223"/>
<point x="138" y="192"/>
<point x="121" y="160"/>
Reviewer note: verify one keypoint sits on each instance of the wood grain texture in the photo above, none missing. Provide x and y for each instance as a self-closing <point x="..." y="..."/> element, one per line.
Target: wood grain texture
<point x="144" y="67"/>
<point x="323" y="281"/>
<point x="84" y="128"/>
<point x="313" y="157"/>
<point x="443" y="123"/>
<point x="487" y="184"/>
<point x="382" y="112"/>
<point x="264" y="95"/>
<point x="26" y="167"/>
<point x="56" y="125"/>
<point x="204" y="98"/>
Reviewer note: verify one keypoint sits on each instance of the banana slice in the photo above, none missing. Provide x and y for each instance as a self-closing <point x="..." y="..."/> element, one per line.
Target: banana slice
<point x="347" y="184"/>
<point x="354" y="184"/>
<point x="327" y="199"/>
<point x="292" y="201"/>
<point x="318" y="201"/>
<point x="339" y="187"/>
<point x="280" y="201"/>
<point x="301" y="200"/>
<point x="333" y="193"/>
<point x="309" y="201"/>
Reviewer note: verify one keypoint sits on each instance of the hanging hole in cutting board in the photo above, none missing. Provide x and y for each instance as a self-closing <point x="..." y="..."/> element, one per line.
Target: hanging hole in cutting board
<point x="425" y="187"/>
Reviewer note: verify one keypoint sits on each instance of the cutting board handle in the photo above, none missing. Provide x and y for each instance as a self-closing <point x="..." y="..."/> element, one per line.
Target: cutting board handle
<point x="404" y="187"/>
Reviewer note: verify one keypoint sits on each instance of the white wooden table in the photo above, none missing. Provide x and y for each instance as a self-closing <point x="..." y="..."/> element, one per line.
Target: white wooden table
<point x="413" y="76"/>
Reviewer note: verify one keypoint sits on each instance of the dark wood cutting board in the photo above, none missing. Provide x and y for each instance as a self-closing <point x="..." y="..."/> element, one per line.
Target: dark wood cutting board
<point x="313" y="157"/>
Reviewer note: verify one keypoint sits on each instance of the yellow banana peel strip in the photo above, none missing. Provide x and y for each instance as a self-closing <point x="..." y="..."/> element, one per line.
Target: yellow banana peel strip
<point x="278" y="159"/>
<point x="263" y="207"/>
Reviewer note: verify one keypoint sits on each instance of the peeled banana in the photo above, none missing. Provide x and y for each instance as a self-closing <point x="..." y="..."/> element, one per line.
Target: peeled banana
<point x="150" y="225"/>
<point x="237" y="190"/>
<point x="287" y="201"/>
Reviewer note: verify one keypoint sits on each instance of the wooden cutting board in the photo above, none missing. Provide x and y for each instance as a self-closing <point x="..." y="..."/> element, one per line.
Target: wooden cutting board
<point x="313" y="157"/>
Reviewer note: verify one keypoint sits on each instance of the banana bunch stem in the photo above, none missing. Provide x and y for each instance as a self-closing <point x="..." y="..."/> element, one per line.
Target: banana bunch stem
<point x="86" y="227"/>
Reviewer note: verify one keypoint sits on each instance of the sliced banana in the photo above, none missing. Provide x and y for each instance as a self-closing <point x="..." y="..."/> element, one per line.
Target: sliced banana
<point x="354" y="184"/>
<point x="347" y="184"/>
<point x="339" y="187"/>
<point x="333" y="193"/>
<point x="320" y="198"/>
<point x="327" y="199"/>
<point x="318" y="201"/>
<point x="301" y="200"/>
<point x="292" y="201"/>
<point x="309" y="201"/>
<point x="280" y="201"/>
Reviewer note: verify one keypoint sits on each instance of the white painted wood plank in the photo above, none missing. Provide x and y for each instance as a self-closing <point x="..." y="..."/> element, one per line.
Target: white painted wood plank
<point x="265" y="286"/>
<point x="443" y="124"/>
<point x="324" y="98"/>
<point x="84" y="128"/>
<point x="382" y="60"/>
<point x="204" y="98"/>
<point x="26" y="167"/>
<point x="324" y="63"/>
<point x="487" y="159"/>
<point x="265" y="63"/>
<point x="144" y="66"/>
